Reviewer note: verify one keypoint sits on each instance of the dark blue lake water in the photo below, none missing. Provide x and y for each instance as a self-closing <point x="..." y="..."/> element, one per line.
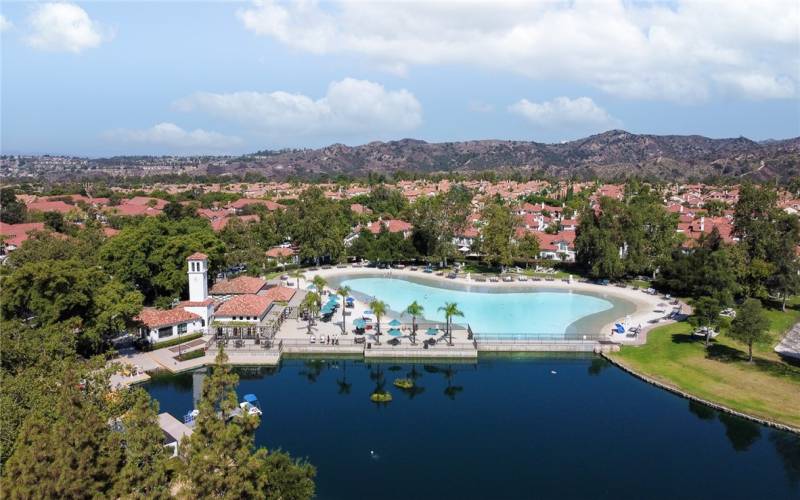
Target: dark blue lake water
<point x="505" y="428"/>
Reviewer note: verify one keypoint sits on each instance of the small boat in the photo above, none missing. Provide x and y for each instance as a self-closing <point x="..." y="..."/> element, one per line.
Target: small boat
<point x="250" y="405"/>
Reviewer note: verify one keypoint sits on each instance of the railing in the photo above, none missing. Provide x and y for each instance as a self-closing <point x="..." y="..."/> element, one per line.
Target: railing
<point x="521" y="338"/>
<point x="305" y="342"/>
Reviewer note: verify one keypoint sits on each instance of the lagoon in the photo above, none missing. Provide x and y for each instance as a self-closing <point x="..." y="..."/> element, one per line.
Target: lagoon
<point x="505" y="427"/>
<point x="492" y="311"/>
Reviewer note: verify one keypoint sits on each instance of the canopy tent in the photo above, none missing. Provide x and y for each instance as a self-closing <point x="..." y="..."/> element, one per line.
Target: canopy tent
<point x="432" y="331"/>
<point x="394" y="332"/>
<point x="394" y="322"/>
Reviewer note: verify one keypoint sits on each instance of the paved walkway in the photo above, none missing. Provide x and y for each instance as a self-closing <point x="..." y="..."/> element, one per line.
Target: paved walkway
<point x="790" y="345"/>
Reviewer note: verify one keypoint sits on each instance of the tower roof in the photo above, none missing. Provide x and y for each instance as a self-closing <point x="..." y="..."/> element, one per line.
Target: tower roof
<point x="197" y="256"/>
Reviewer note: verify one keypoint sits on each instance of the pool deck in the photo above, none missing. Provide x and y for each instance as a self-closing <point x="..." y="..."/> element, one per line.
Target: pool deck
<point x="293" y="337"/>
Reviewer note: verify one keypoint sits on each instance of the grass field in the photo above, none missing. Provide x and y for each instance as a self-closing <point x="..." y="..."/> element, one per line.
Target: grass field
<point x="769" y="387"/>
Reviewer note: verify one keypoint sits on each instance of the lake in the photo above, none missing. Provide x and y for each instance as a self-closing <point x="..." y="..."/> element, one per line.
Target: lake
<point x="505" y="427"/>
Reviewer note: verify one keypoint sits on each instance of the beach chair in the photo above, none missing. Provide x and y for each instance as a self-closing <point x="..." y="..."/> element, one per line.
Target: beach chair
<point x="313" y="339"/>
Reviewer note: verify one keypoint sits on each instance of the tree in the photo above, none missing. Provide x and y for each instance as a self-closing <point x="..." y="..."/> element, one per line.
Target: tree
<point x="378" y="308"/>
<point x="55" y="221"/>
<point x="150" y="255"/>
<point x="706" y="314"/>
<point x="68" y="452"/>
<point x="317" y="225"/>
<point x="785" y="279"/>
<point x="320" y="283"/>
<point x="751" y="325"/>
<point x="12" y="211"/>
<point x="414" y="309"/>
<point x="527" y="248"/>
<point x="53" y="291"/>
<point x="144" y="474"/>
<point x="343" y="292"/>
<point x="497" y="234"/>
<point x="221" y="459"/>
<point x="311" y="304"/>
<point x="450" y="310"/>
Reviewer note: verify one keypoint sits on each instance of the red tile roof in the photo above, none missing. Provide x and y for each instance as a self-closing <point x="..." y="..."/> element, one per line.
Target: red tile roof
<point x="280" y="293"/>
<point x="16" y="234"/>
<point x="156" y="318"/>
<point x="50" y="206"/>
<point x="239" y="285"/>
<point x="392" y="225"/>
<point x="245" y="305"/>
<point x="110" y="231"/>
<point x="276" y="252"/>
<point x="197" y="256"/>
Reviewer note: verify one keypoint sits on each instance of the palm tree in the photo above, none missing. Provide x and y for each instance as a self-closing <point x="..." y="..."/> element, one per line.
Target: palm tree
<point x="311" y="303"/>
<point x="297" y="274"/>
<point x="343" y="292"/>
<point x="414" y="309"/>
<point x="378" y="309"/>
<point x="450" y="310"/>
<point x="319" y="283"/>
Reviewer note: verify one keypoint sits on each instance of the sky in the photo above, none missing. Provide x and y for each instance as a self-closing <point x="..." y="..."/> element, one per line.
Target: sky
<point x="108" y="78"/>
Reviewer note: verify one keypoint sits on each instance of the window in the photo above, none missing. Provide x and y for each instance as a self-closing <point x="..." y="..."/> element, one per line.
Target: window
<point x="165" y="332"/>
<point x="182" y="328"/>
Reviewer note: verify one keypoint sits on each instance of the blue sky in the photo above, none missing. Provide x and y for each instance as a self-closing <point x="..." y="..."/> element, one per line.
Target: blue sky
<point x="104" y="78"/>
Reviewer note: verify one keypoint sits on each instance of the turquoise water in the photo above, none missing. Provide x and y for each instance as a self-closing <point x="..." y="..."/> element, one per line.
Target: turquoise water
<point x="490" y="312"/>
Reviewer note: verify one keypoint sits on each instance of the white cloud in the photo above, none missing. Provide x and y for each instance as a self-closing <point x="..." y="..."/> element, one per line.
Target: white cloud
<point x="349" y="107"/>
<point x="63" y="27"/>
<point x="172" y="137"/>
<point x="654" y="50"/>
<point x="5" y="24"/>
<point x="563" y="112"/>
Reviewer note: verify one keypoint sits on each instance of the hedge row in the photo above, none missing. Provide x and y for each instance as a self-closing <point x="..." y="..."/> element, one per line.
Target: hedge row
<point x="176" y="341"/>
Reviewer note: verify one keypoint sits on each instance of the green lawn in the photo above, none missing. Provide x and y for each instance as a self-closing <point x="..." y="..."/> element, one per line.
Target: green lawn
<point x="769" y="387"/>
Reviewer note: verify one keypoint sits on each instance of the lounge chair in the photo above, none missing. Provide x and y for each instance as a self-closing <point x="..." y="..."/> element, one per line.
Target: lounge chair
<point x="313" y="339"/>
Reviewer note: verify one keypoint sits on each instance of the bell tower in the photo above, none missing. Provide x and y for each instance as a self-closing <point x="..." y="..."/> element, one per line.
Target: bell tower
<point x="198" y="277"/>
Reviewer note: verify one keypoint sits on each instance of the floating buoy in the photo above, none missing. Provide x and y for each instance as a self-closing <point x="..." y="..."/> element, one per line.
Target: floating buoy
<point x="553" y="372"/>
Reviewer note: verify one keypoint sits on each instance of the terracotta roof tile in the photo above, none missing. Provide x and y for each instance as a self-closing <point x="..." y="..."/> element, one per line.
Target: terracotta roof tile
<point x="245" y="305"/>
<point x="238" y="286"/>
<point x="156" y="318"/>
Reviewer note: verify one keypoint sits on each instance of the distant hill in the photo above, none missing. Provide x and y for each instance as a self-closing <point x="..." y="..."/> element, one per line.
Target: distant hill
<point x="612" y="154"/>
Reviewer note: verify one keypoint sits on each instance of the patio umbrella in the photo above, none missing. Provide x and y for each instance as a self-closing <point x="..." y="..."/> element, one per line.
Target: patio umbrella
<point x="394" y="322"/>
<point x="432" y="331"/>
<point x="368" y="312"/>
<point x="360" y="323"/>
<point x="311" y="287"/>
<point x="394" y="332"/>
<point x="350" y="300"/>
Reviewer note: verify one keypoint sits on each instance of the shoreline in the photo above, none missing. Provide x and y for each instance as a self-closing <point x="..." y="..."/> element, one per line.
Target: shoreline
<point x="645" y="305"/>
<point x="687" y="395"/>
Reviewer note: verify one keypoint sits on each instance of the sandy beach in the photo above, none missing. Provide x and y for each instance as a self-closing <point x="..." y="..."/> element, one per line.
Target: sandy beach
<point x="647" y="307"/>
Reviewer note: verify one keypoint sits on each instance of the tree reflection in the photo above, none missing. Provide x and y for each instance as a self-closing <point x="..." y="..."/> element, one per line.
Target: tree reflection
<point x="598" y="365"/>
<point x="344" y="386"/>
<point x="701" y="411"/>
<point x="740" y="432"/>
<point x="787" y="446"/>
<point x="451" y="390"/>
<point x="312" y="369"/>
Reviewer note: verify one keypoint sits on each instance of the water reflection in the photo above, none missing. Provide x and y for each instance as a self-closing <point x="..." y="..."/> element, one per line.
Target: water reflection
<point x="788" y="448"/>
<point x="597" y="365"/>
<point x="743" y="434"/>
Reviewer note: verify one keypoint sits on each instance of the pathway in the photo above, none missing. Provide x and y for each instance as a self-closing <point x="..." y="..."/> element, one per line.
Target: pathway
<point x="790" y="345"/>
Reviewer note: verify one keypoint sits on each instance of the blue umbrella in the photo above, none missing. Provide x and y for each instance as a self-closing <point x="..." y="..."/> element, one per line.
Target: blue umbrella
<point x="394" y="332"/>
<point x="432" y="331"/>
<point x="350" y="299"/>
<point x="360" y="323"/>
<point x="394" y="322"/>
<point x="368" y="313"/>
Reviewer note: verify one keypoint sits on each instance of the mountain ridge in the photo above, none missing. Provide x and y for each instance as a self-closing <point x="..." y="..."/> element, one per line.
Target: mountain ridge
<point x="611" y="154"/>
